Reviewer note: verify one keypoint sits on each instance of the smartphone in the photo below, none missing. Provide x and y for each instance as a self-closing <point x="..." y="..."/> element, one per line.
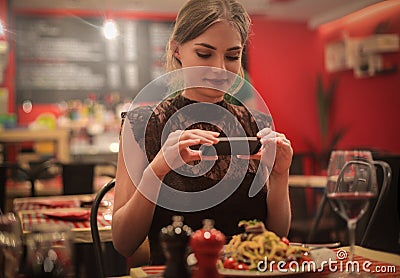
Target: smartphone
<point x="232" y="146"/>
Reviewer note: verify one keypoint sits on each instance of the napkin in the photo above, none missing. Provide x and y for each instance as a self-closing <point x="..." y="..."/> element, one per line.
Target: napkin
<point x="69" y="215"/>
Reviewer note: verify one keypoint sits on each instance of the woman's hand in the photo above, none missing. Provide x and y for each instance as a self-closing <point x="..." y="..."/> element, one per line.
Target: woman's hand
<point x="271" y="140"/>
<point x="176" y="150"/>
<point x="284" y="151"/>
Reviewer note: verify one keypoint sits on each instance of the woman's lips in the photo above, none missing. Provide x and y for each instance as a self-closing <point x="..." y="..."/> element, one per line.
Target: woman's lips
<point x="216" y="82"/>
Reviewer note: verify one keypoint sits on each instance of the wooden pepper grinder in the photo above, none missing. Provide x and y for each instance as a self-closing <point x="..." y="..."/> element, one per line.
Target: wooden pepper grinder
<point x="206" y="244"/>
<point x="174" y="240"/>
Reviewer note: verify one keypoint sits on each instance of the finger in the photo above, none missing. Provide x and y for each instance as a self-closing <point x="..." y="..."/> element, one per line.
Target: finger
<point x="264" y="132"/>
<point x="183" y="144"/>
<point x="208" y="157"/>
<point x="206" y="137"/>
<point x="281" y="139"/>
<point x="206" y="133"/>
<point x="247" y="157"/>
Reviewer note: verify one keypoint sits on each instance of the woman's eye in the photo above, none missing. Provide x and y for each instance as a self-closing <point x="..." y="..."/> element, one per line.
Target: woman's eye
<point x="203" y="55"/>
<point x="233" y="58"/>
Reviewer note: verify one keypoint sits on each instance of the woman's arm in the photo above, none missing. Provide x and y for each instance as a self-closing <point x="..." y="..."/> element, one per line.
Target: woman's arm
<point x="138" y="183"/>
<point x="276" y="156"/>
<point x="132" y="212"/>
<point x="278" y="201"/>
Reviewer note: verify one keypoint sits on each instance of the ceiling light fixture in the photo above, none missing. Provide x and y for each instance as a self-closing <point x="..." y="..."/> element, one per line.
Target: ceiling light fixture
<point x="2" y="29"/>
<point x="110" y="29"/>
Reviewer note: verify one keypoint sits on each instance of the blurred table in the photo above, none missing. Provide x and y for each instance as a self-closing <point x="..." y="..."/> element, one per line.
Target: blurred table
<point x="307" y="181"/>
<point x="32" y="211"/>
<point x="60" y="136"/>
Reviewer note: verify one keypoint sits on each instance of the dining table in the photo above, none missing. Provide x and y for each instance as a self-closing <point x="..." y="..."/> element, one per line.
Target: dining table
<point x="312" y="181"/>
<point x="72" y="211"/>
<point x="374" y="262"/>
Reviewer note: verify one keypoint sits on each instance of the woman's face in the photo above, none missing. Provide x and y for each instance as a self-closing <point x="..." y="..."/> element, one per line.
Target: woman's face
<point x="219" y="49"/>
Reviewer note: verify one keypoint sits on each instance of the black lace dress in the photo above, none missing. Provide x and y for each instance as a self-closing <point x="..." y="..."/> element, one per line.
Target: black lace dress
<point x="151" y="126"/>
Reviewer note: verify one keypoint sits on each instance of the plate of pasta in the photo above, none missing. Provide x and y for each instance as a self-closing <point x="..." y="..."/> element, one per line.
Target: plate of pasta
<point x="261" y="253"/>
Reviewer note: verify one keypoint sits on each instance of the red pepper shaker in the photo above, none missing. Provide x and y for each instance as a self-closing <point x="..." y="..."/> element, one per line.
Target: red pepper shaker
<point x="207" y="244"/>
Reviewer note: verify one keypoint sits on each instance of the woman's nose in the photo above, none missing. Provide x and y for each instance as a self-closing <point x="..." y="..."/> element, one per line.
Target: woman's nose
<point x="220" y="63"/>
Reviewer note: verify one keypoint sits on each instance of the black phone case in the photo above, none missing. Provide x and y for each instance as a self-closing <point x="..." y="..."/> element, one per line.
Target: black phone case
<point x="233" y="146"/>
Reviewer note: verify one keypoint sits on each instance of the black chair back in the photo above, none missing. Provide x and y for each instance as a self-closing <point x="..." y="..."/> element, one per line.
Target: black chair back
<point x="94" y="226"/>
<point x="118" y="261"/>
<point x="10" y="170"/>
<point x="382" y="231"/>
<point x="379" y="228"/>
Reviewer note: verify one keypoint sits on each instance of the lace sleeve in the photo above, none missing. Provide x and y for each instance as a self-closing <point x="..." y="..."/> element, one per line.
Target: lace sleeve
<point x="145" y="127"/>
<point x="262" y="120"/>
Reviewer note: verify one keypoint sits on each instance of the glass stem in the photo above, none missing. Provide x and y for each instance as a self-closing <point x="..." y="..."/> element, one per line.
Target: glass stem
<point x="351" y="225"/>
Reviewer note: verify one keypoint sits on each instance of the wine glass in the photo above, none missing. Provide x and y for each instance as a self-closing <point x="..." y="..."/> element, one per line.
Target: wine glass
<point x="352" y="184"/>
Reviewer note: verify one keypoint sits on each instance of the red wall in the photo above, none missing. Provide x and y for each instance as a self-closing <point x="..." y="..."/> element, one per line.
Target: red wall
<point x="284" y="60"/>
<point x="283" y="66"/>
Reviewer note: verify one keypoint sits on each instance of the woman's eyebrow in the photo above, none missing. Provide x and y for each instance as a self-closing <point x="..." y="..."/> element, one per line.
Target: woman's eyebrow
<point x="214" y="48"/>
<point x="206" y="45"/>
<point x="234" y="48"/>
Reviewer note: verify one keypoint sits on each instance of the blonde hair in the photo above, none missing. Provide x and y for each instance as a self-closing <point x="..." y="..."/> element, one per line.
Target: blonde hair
<point x="196" y="16"/>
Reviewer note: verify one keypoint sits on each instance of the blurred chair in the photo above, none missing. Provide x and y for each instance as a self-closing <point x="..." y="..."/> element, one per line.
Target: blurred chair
<point x="139" y="258"/>
<point x="382" y="224"/>
<point x="76" y="177"/>
<point x="326" y="226"/>
<point x="309" y="226"/>
<point x="10" y="170"/>
<point x="304" y="201"/>
<point x="379" y="227"/>
<point x="119" y="262"/>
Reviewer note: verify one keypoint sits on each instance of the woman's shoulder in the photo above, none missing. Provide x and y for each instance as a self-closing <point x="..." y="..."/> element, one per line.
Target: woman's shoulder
<point x="147" y="118"/>
<point x="143" y="111"/>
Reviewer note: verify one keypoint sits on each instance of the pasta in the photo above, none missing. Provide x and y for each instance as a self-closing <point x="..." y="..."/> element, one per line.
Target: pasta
<point x="252" y="247"/>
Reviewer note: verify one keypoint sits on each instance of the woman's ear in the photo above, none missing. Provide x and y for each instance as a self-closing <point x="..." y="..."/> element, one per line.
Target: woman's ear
<point x="174" y="46"/>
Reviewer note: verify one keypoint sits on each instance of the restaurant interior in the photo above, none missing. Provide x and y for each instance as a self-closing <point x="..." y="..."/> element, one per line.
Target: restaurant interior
<point x="326" y="70"/>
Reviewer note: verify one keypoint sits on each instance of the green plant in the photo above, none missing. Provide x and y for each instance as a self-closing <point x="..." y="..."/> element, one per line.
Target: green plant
<point x="329" y="138"/>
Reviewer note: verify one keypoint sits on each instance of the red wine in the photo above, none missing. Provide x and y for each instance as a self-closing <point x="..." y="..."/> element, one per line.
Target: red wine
<point x="351" y="205"/>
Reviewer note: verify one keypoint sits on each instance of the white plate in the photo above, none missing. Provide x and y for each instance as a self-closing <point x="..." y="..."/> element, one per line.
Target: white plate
<point x="319" y="256"/>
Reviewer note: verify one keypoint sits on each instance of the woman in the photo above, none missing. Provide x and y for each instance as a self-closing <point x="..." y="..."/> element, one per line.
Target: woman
<point x="210" y="33"/>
